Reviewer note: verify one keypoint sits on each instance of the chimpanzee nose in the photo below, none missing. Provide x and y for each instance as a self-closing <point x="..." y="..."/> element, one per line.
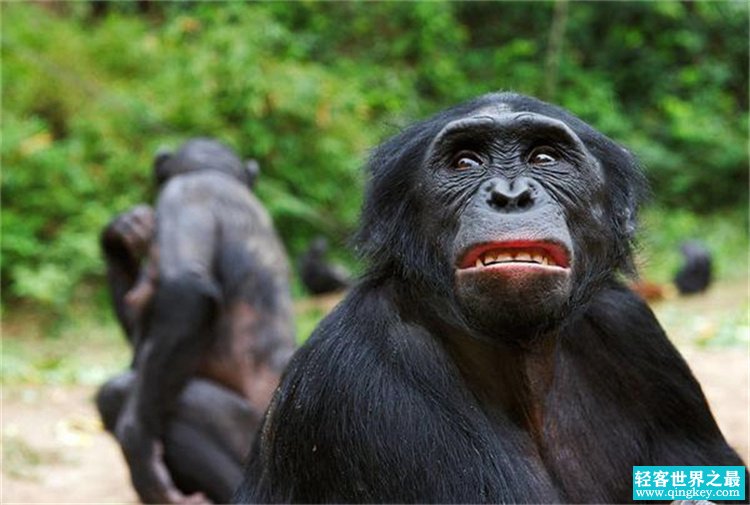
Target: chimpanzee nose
<point x="517" y="195"/>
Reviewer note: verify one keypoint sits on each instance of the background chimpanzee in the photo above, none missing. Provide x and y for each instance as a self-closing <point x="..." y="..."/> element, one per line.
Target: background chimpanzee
<point x="201" y="289"/>
<point x="695" y="274"/>
<point x="318" y="275"/>
<point x="490" y="354"/>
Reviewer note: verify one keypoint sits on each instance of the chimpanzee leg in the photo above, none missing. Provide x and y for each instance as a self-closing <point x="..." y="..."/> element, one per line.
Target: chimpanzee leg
<point x="111" y="397"/>
<point x="199" y="464"/>
<point x="220" y="414"/>
<point x="207" y="436"/>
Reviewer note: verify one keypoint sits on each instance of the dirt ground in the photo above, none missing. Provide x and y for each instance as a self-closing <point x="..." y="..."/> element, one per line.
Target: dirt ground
<point x="58" y="451"/>
<point x="54" y="449"/>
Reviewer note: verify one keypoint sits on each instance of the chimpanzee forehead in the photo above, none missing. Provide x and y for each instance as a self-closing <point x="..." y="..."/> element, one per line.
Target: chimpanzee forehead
<point x="492" y="109"/>
<point x="500" y="119"/>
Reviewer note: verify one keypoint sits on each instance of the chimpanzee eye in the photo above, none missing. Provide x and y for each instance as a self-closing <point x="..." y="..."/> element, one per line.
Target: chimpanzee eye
<point x="543" y="156"/>
<point x="466" y="160"/>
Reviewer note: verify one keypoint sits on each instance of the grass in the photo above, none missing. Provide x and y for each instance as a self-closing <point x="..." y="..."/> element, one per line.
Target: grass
<point x="84" y="349"/>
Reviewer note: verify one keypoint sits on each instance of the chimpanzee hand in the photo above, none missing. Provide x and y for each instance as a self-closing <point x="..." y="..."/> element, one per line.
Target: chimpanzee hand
<point x="130" y="233"/>
<point x="149" y="473"/>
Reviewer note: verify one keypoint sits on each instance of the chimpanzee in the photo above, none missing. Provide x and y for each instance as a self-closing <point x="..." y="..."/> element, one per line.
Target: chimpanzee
<point x="490" y="353"/>
<point x="202" y="291"/>
<point x="318" y="276"/>
<point x="695" y="274"/>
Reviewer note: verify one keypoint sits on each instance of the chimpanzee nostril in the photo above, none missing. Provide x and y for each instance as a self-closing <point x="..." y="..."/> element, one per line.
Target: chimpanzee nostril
<point x="511" y="196"/>
<point x="525" y="200"/>
<point x="500" y="200"/>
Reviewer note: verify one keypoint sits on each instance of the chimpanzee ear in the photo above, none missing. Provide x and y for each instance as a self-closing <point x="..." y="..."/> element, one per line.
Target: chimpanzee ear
<point x="161" y="173"/>
<point x="629" y="217"/>
<point x="634" y="189"/>
<point x="252" y="170"/>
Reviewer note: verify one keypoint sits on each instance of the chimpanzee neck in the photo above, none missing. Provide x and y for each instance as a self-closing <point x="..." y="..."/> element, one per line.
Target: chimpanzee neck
<point x="508" y="381"/>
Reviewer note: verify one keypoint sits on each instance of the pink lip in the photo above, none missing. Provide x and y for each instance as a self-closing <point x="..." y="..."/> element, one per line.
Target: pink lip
<point x="555" y="251"/>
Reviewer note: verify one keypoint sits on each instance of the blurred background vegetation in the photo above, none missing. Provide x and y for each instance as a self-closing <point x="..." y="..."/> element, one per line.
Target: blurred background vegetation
<point x="91" y="90"/>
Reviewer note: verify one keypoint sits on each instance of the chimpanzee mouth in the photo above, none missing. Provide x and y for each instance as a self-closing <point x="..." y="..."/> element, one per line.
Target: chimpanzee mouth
<point x="529" y="254"/>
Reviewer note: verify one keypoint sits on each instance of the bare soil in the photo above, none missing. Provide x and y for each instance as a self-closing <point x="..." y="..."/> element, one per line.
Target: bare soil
<point x="55" y="451"/>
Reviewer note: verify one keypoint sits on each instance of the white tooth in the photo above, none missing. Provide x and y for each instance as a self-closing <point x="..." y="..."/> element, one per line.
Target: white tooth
<point x="545" y="260"/>
<point x="488" y="258"/>
<point x="504" y="257"/>
<point x="523" y="256"/>
<point x="537" y="258"/>
<point x="479" y="263"/>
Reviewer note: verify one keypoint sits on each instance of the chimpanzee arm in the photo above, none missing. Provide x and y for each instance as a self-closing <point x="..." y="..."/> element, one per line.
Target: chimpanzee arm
<point x="177" y="330"/>
<point x="125" y="242"/>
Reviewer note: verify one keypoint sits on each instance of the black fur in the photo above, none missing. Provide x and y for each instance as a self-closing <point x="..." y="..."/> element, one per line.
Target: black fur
<point x="318" y="275"/>
<point x="425" y="385"/>
<point x="696" y="272"/>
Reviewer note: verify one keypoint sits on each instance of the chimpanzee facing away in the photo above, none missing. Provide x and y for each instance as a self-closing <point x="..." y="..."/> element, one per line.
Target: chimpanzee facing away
<point x="318" y="276"/>
<point x="201" y="289"/>
<point x="490" y="354"/>
<point x="695" y="274"/>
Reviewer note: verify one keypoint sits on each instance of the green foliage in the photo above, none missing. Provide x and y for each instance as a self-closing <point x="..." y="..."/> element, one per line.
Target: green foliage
<point x="308" y="87"/>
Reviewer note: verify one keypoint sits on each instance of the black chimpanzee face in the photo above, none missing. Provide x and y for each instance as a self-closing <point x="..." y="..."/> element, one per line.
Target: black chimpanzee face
<point x="513" y="178"/>
<point x="510" y="210"/>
